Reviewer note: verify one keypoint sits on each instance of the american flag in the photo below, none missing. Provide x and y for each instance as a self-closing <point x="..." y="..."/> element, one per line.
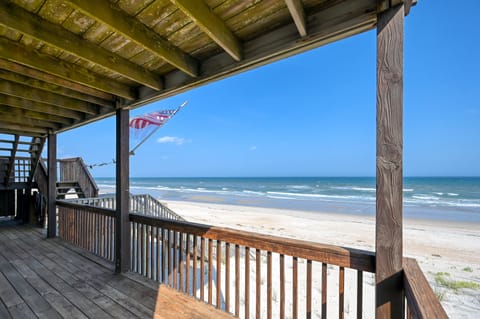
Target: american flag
<point x="155" y="118"/>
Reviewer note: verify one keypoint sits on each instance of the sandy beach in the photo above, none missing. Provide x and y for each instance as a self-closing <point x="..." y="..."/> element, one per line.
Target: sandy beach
<point x="446" y="251"/>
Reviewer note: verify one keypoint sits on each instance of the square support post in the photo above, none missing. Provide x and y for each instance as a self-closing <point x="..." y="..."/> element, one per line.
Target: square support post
<point x="52" y="186"/>
<point x="122" y="223"/>
<point x="389" y="240"/>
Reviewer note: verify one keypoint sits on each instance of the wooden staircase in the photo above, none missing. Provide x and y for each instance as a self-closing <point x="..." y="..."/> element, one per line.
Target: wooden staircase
<point x="69" y="188"/>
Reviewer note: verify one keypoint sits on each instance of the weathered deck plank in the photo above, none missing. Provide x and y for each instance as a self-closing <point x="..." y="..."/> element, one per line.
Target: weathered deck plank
<point x="47" y="278"/>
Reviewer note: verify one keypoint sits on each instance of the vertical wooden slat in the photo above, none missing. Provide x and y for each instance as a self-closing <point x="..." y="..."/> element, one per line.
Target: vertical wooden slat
<point x="210" y="274"/>
<point x="132" y="247"/>
<point x="324" y="291"/>
<point x="187" y="264"/>
<point x="219" y="273"/>
<point x="164" y="255"/>
<point x="202" y="269"/>
<point x="247" y="282"/>
<point x="309" y="289"/>
<point x="227" y="277"/>
<point x="170" y="261"/>
<point x="282" y="286"/>
<point x="175" y="260"/>
<point x="180" y="261"/>
<point x="144" y="250"/>
<point x="122" y="234"/>
<point x="152" y="253"/>
<point x="258" y="287"/>
<point x="52" y="185"/>
<point x="295" y="288"/>
<point x="341" y="292"/>
<point x="194" y="282"/>
<point x="237" y="280"/>
<point x="359" y="294"/>
<point x="389" y="249"/>
<point x="269" y="285"/>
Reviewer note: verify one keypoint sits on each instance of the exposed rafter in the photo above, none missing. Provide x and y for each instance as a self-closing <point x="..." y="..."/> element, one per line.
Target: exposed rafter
<point x="298" y="14"/>
<point x="16" y="52"/>
<point x="16" y="102"/>
<point x="107" y="13"/>
<point x="23" y="129"/>
<point x="18" y="19"/>
<point x="9" y="118"/>
<point x="25" y="92"/>
<point x="34" y="83"/>
<point x="212" y="25"/>
<point x="11" y="161"/>
<point x="54" y="80"/>
<point x="21" y="113"/>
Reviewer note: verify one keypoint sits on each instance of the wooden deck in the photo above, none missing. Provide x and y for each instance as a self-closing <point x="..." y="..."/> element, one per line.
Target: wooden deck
<point x="47" y="278"/>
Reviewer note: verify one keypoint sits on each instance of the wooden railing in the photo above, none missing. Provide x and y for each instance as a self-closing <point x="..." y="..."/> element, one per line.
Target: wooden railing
<point x="420" y="298"/>
<point x="289" y="278"/>
<point x="75" y="170"/>
<point x="89" y="227"/>
<point x="246" y="274"/>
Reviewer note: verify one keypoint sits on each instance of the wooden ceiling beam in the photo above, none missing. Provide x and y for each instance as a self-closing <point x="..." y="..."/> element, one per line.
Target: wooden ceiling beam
<point x="18" y="19"/>
<point x="22" y="129"/>
<point x="34" y="83"/>
<point x="298" y="14"/>
<point x="21" y="113"/>
<point x="13" y="51"/>
<point x="25" y="92"/>
<point x="54" y="80"/>
<point x="16" y="102"/>
<point x="9" y="118"/>
<point x="212" y="25"/>
<point x="4" y="130"/>
<point x="106" y="12"/>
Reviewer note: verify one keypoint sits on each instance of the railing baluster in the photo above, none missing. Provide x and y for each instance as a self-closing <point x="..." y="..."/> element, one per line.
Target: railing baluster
<point x="309" y="289"/>
<point x="219" y="276"/>
<point x="269" y="285"/>
<point x="202" y="269"/>
<point x="210" y="262"/>
<point x="170" y="261"/>
<point x="247" y="282"/>
<point x="359" y="294"/>
<point x="341" y="293"/>
<point x="237" y="280"/>
<point x="158" y="254"/>
<point x="139" y="249"/>
<point x="175" y="260"/>
<point x="295" y="288"/>
<point x="164" y="255"/>
<point x="152" y="253"/>
<point x="227" y="277"/>
<point x="282" y="286"/>
<point x="194" y="283"/>
<point x="187" y="264"/>
<point x="324" y="291"/>
<point x="180" y="261"/>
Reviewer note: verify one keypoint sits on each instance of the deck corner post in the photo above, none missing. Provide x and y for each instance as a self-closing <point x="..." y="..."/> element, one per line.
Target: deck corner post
<point x="122" y="223"/>
<point x="389" y="297"/>
<point x="52" y="186"/>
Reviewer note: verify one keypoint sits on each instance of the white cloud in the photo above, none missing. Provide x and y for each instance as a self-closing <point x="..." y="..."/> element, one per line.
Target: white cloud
<point x="252" y="148"/>
<point x="172" y="139"/>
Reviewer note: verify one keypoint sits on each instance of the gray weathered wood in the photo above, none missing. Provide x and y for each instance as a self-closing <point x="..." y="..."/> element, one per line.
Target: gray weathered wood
<point x="298" y="15"/>
<point x="52" y="186"/>
<point x="12" y="159"/>
<point x="137" y="32"/>
<point x="122" y="232"/>
<point x="212" y="25"/>
<point x="389" y="251"/>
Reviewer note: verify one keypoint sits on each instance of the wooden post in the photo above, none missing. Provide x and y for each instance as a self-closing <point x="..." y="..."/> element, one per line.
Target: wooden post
<point x="122" y="228"/>
<point x="389" y="251"/>
<point x="52" y="186"/>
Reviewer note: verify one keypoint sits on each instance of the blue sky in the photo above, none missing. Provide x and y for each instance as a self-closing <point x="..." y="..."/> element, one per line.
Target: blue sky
<point x="314" y="114"/>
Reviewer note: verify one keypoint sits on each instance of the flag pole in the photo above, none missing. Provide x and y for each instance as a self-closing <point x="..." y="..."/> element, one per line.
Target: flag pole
<point x="132" y="152"/>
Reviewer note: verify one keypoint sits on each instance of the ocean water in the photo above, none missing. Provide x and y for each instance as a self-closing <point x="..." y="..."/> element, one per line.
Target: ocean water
<point x="443" y="198"/>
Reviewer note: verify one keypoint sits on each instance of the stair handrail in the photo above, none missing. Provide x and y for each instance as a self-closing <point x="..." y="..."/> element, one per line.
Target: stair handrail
<point x="92" y="185"/>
